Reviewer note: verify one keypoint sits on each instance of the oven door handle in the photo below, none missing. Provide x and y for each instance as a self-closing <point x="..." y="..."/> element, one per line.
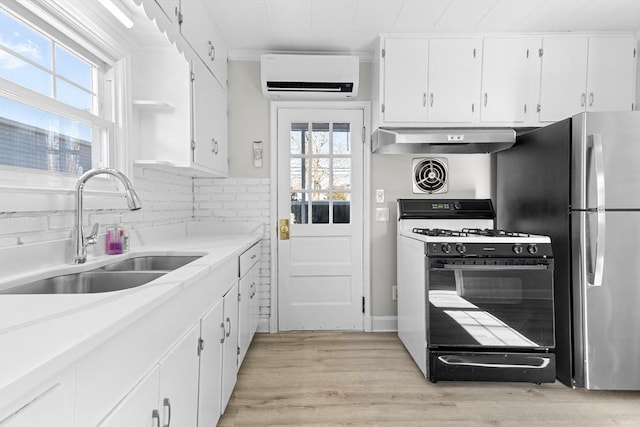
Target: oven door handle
<point x="493" y="267"/>
<point x="447" y="361"/>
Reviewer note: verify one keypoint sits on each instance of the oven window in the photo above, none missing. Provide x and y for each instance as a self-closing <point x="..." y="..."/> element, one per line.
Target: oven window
<point x="490" y="307"/>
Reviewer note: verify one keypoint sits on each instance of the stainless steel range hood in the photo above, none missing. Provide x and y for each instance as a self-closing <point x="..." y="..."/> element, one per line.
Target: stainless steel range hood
<point x="441" y="140"/>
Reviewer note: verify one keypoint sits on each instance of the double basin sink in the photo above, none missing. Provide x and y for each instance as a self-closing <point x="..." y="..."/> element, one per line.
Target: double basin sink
<point x="120" y="275"/>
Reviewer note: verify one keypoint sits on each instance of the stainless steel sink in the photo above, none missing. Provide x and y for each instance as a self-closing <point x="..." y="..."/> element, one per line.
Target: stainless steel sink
<point x="151" y="263"/>
<point x="87" y="282"/>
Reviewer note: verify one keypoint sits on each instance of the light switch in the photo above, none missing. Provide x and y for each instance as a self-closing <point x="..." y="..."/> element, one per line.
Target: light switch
<point x="382" y="214"/>
<point x="380" y="196"/>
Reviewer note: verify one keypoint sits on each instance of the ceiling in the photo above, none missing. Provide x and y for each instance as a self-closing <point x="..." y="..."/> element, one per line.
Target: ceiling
<point x="251" y="27"/>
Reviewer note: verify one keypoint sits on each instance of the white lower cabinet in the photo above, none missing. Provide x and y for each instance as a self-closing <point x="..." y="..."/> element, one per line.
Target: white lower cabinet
<point x="168" y="395"/>
<point x="212" y="337"/>
<point x="229" y="345"/>
<point x="248" y="304"/>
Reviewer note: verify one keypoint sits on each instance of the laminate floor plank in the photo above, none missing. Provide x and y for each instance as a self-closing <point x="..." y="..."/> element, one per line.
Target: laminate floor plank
<point x="368" y="379"/>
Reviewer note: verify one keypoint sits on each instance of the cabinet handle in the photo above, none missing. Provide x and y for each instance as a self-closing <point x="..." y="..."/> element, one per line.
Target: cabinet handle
<point x="155" y="416"/>
<point x="485" y="98"/>
<point x="525" y="108"/>
<point x="223" y="332"/>
<point x="583" y="99"/>
<point x="431" y="100"/>
<point x="214" y="146"/>
<point x="228" y="323"/>
<point x="591" y="99"/>
<point x="167" y="404"/>
<point x="253" y="290"/>
<point x="424" y="99"/>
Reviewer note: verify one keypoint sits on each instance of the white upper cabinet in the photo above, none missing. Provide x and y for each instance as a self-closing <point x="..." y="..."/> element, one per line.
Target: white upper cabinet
<point x="509" y="79"/>
<point x="405" y="82"/>
<point x="170" y="9"/>
<point x="500" y="80"/>
<point x="585" y="74"/>
<point x="454" y="79"/>
<point x="209" y="121"/>
<point x="204" y="38"/>
<point x="610" y="73"/>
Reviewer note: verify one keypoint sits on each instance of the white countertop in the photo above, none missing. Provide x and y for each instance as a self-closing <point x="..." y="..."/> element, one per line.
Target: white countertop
<point x="42" y="334"/>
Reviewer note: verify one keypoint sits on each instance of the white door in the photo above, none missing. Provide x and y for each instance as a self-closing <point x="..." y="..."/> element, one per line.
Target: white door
<point x="320" y="178"/>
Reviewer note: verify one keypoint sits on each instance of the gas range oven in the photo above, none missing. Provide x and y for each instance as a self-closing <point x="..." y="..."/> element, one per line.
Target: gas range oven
<point x="474" y="302"/>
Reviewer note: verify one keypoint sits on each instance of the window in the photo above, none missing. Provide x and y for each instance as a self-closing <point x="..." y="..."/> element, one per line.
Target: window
<point x="50" y="98"/>
<point x="320" y="156"/>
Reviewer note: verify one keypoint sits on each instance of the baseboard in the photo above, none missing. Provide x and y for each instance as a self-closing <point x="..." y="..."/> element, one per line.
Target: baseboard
<point x="384" y="323"/>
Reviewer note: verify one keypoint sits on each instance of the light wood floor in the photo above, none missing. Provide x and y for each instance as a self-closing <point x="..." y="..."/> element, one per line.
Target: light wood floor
<point x="357" y="379"/>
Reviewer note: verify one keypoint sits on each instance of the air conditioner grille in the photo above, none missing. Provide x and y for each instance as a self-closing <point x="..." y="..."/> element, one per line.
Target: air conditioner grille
<point x="430" y="175"/>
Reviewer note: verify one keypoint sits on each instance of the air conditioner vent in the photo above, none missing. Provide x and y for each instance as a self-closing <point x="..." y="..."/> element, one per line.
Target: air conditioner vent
<point x="430" y="175"/>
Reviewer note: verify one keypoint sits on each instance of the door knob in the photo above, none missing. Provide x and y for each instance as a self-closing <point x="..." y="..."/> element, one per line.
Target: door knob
<point x="283" y="226"/>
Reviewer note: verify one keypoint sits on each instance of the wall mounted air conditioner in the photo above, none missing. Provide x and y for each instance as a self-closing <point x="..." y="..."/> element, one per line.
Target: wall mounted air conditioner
<point x="309" y="76"/>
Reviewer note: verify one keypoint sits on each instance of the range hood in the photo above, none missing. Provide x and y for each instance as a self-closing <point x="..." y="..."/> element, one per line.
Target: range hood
<point x="442" y="140"/>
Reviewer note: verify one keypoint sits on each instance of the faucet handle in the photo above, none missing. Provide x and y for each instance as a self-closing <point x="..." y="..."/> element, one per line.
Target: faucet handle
<point x="92" y="238"/>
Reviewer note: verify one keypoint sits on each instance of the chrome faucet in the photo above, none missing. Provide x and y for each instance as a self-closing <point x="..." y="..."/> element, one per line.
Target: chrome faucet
<point x="133" y="201"/>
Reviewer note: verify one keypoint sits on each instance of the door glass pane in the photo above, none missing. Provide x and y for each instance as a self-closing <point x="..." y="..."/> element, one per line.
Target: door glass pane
<point x="299" y="136"/>
<point x="298" y="172"/>
<point x="299" y="210"/>
<point x="341" y="138"/>
<point x="341" y="208"/>
<point x="320" y="174"/>
<point x="341" y="174"/>
<point x="321" y="138"/>
<point x="320" y="208"/>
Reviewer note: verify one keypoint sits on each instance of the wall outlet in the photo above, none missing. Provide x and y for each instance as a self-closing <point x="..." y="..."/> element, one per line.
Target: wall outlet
<point x="394" y="292"/>
<point x="382" y="214"/>
<point x="380" y="196"/>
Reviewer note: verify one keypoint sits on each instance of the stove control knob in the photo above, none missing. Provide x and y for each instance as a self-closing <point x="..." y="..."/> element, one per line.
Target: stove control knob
<point x="457" y="206"/>
<point x="532" y="249"/>
<point x="461" y="248"/>
<point x="517" y="249"/>
<point x="446" y="248"/>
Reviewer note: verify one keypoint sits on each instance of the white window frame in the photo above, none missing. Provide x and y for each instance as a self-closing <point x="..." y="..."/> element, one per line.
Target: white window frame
<point x="23" y="189"/>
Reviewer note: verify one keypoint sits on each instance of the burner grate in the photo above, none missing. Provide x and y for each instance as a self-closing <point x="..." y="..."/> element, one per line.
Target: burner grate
<point x="466" y="232"/>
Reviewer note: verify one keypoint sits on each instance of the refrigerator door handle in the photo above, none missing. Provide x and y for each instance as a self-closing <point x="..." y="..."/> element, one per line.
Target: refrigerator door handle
<point x="595" y="143"/>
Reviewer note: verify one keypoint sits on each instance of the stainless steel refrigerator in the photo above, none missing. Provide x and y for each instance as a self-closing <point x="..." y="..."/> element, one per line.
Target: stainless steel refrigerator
<point x="578" y="181"/>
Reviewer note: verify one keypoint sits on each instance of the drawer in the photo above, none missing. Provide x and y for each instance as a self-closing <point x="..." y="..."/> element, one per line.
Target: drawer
<point x="249" y="258"/>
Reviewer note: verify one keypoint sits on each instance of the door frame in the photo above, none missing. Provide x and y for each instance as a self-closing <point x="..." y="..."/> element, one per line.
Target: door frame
<point x="365" y="107"/>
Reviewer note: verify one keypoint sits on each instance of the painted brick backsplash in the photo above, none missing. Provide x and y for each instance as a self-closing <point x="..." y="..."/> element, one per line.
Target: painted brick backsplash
<point x="167" y="198"/>
<point x="243" y="200"/>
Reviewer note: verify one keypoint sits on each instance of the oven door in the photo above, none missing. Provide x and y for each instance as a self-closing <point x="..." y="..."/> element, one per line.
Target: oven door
<point x="490" y="304"/>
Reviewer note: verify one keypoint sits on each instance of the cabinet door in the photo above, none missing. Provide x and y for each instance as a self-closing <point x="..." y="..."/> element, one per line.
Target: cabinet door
<point x="405" y="80"/>
<point x="171" y="9"/>
<point x="199" y="32"/>
<point x="563" y="78"/>
<point x="230" y="345"/>
<point x="610" y="74"/>
<point x="254" y="275"/>
<point x="505" y="68"/>
<point x="244" y="317"/>
<point x="454" y="80"/>
<point x="178" y="396"/>
<point x="139" y="407"/>
<point x="209" y="120"/>
<point x="211" y="333"/>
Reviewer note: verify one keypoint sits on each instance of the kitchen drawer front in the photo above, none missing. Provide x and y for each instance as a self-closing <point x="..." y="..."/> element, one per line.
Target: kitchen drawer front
<point x="249" y="258"/>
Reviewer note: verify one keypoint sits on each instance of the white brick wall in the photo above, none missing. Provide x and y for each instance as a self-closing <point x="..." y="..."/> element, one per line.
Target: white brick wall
<point x="244" y="200"/>
<point x="167" y="198"/>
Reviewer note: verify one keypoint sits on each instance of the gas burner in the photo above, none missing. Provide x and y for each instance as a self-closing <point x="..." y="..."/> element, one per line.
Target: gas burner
<point x="439" y="232"/>
<point x="492" y="233"/>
